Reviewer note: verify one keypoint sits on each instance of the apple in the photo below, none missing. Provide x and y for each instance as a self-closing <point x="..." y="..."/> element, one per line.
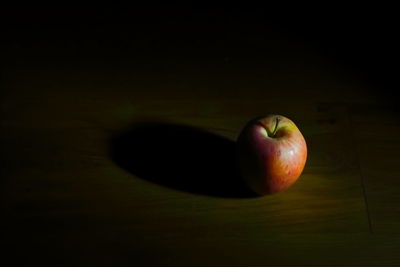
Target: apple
<point x="271" y="153"/>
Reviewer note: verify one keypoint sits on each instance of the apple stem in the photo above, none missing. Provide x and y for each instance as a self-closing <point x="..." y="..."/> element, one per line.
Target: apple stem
<point x="276" y="127"/>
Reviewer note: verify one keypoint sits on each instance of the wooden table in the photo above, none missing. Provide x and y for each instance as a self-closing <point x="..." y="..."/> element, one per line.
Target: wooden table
<point x="127" y="160"/>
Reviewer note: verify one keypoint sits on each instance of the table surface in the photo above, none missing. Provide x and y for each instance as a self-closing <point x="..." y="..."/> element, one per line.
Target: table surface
<point x="110" y="162"/>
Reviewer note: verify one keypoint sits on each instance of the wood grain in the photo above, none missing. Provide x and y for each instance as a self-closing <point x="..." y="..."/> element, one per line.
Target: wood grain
<point x="68" y="203"/>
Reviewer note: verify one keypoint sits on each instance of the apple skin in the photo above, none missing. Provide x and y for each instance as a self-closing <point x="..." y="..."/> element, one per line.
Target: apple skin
<point x="271" y="153"/>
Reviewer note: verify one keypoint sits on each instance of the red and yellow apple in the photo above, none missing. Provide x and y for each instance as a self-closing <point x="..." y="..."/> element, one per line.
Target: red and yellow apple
<point x="271" y="154"/>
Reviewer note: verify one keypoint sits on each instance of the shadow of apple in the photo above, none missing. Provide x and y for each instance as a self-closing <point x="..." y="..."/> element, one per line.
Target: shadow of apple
<point x="180" y="157"/>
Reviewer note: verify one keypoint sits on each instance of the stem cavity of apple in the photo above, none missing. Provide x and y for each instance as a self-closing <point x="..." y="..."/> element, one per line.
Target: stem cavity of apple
<point x="276" y="127"/>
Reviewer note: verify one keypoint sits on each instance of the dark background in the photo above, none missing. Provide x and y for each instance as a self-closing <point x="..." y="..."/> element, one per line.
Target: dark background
<point x="356" y="39"/>
<point x="82" y="87"/>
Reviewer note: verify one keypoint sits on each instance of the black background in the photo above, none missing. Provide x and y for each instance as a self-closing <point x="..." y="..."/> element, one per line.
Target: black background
<point x="359" y="38"/>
